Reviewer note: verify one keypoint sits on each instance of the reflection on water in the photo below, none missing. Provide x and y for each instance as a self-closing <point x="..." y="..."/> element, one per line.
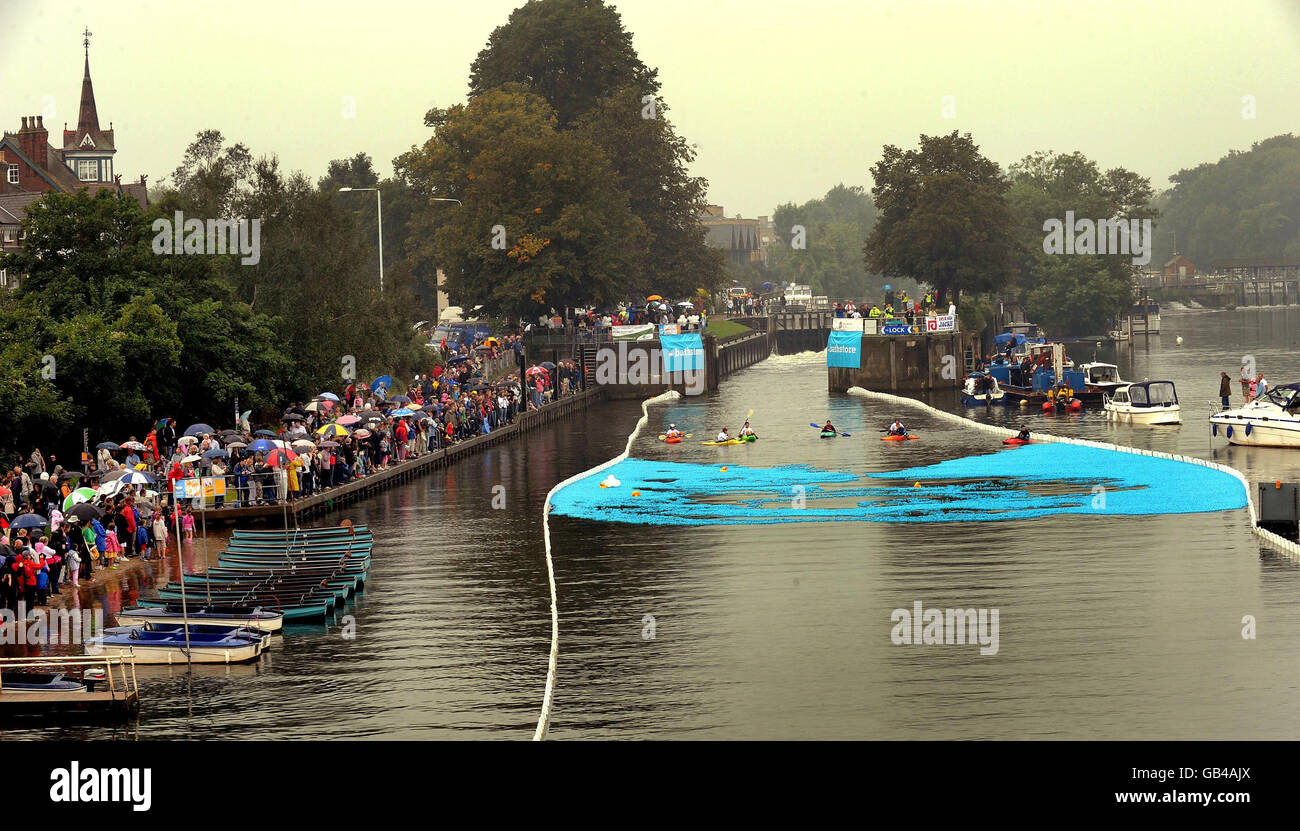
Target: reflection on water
<point x="1110" y="626"/>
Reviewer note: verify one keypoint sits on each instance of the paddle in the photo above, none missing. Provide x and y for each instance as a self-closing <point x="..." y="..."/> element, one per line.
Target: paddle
<point x="663" y="436"/>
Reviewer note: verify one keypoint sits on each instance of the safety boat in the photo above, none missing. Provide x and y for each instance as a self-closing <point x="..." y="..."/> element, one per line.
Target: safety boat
<point x="981" y="388"/>
<point x="1145" y="402"/>
<point x="1272" y="420"/>
<point x="1101" y="378"/>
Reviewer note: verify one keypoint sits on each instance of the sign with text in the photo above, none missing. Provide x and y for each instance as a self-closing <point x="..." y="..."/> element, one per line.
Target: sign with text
<point x="847" y="324"/>
<point x="683" y="352"/>
<point x="941" y="323"/>
<point x="844" y="349"/>
<point x="669" y="329"/>
<point x="893" y="327"/>
<point x="643" y="331"/>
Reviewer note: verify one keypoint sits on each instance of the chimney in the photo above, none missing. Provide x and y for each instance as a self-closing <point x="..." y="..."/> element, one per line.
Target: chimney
<point x="24" y="124"/>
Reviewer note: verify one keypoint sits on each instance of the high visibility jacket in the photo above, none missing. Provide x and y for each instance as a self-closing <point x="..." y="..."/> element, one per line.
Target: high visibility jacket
<point x="875" y="312"/>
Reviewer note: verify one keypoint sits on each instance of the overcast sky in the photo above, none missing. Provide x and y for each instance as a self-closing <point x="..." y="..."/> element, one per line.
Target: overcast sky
<point x="783" y="98"/>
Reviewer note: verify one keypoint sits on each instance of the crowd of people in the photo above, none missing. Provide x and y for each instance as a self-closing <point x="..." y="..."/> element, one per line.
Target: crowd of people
<point x="59" y="524"/>
<point x="894" y="306"/>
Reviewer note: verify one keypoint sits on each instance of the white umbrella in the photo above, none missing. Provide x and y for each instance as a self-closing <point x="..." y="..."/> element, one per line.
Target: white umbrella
<point x="304" y="444"/>
<point x="136" y="477"/>
<point x="191" y="459"/>
<point x="111" y="488"/>
<point x="132" y="445"/>
<point x="186" y="440"/>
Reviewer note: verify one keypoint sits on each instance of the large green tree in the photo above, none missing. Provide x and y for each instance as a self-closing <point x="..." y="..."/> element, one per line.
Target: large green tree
<point x="830" y="259"/>
<point x="944" y="219"/>
<point x="1072" y="294"/>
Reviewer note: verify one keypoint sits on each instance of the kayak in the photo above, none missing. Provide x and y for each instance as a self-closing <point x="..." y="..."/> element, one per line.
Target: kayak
<point x="673" y="440"/>
<point x="1015" y="441"/>
<point x="898" y="438"/>
<point x="723" y="443"/>
<point x="829" y="435"/>
<point x="749" y="438"/>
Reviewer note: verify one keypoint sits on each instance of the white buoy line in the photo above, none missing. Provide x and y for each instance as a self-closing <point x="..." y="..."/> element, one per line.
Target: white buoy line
<point x="544" y="719"/>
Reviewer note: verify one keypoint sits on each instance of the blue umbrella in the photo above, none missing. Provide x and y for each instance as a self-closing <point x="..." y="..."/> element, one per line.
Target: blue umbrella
<point x="400" y="399"/>
<point x="386" y="380"/>
<point x="107" y="445"/>
<point x="262" y="444"/>
<point x="30" y="521"/>
<point x="458" y="360"/>
<point x="137" y="477"/>
<point x="269" y="433"/>
<point x="215" y="453"/>
<point x="331" y="396"/>
<point x="402" y="412"/>
<point x="199" y="429"/>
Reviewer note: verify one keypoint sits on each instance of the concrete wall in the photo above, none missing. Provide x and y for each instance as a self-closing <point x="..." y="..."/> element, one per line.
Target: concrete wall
<point x="904" y="362"/>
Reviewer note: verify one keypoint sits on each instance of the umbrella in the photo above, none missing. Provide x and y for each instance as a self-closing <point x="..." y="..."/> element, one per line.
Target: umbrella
<point x="329" y="444"/>
<point x="84" y="511"/>
<point x="79" y="495"/>
<point x="112" y="488"/>
<point x="329" y="396"/>
<point x="653" y="297"/>
<point x="348" y="420"/>
<point x="261" y="445"/>
<point x="232" y="445"/>
<point x="107" y="445"/>
<point x="280" y="456"/>
<point x="30" y="521"/>
<point x="372" y="415"/>
<point x="112" y="476"/>
<point x="320" y="406"/>
<point x="459" y="359"/>
<point x="187" y="440"/>
<point x="478" y="386"/>
<point x="136" y="477"/>
<point x="547" y="365"/>
<point x="534" y="370"/>
<point x="189" y="459"/>
<point x="334" y="428"/>
<point x="4" y="491"/>
<point x="73" y="474"/>
<point x="386" y="380"/>
<point x="361" y="434"/>
<point x="686" y="305"/>
<point x="215" y="453"/>
<point x="304" y="444"/>
<point x="402" y="413"/>
<point x="267" y="433"/>
<point x="132" y="445"/>
<point x="292" y="417"/>
<point x="199" y="429"/>
<point x="230" y="432"/>
<point x="400" y="399"/>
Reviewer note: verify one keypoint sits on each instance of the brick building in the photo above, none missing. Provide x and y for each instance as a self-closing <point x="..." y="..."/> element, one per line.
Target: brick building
<point x="30" y="166"/>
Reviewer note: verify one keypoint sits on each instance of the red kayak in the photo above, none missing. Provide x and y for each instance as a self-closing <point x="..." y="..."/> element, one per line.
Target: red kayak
<point x="898" y="438"/>
<point x="1015" y="441"/>
<point x="673" y="440"/>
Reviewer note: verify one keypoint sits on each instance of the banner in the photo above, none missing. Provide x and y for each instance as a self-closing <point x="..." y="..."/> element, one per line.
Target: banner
<point x="847" y="324"/>
<point x="941" y="323"/>
<point x="642" y="331"/>
<point x="844" y="349"/>
<point x="188" y="488"/>
<point x="683" y="352"/>
<point x="669" y="329"/>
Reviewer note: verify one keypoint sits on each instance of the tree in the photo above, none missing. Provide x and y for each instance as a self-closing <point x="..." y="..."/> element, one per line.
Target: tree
<point x="944" y="218"/>
<point x="1079" y="294"/>
<point x="572" y="53"/>
<point x="834" y="228"/>
<point x="543" y="222"/>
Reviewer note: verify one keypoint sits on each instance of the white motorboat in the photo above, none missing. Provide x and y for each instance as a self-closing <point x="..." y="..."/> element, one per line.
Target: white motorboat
<point x="1143" y="402"/>
<point x="1102" y="377"/>
<point x="1272" y="420"/>
<point x="981" y="388"/>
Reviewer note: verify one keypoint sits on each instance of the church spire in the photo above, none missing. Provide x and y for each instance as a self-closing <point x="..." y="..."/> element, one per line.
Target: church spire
<point x="88" y="117"/>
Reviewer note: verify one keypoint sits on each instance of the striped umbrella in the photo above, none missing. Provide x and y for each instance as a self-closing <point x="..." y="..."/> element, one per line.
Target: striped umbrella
<point x="331" y="429"/>
<point x="79" y="495"/>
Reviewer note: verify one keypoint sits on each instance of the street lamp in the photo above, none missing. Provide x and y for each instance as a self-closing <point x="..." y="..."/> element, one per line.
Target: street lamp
<point x="379" y="197"/>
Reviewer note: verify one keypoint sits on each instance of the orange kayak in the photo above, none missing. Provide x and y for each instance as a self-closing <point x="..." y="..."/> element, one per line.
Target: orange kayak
<point x="898" y="438"/>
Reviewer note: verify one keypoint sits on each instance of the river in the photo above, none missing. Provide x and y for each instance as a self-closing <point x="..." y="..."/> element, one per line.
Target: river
<point x="1110" y="627"/>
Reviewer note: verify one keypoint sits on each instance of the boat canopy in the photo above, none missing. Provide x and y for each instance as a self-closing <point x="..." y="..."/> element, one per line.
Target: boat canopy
<point x="1008" y="337"/>
<point x="1103" y="374"/>
<point x="1286" y="396"/>
<point x="1152" y="394"/>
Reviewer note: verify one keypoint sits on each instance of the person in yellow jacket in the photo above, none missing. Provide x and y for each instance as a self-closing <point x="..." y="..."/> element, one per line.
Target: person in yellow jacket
<point x="875" y="311"/>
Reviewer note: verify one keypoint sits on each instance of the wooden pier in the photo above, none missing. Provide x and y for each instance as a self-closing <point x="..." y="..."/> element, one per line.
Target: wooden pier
<point x="118" y="696"/>
<point x="402" y="472"/>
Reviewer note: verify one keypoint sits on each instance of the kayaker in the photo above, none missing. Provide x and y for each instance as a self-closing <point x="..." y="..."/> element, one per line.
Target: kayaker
<point x="1023" y="435"/>
<point x="746" y="430"/>
<point x="829" y="428"/>
<point x="673" y="432"/>
<point x="897" y="428"/>
<point x="724" y="436"/>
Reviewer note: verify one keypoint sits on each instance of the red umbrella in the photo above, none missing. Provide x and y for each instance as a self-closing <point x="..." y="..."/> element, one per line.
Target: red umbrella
<point x="347" y="420"/>
<point x="535" y="370"/>
<point x="280" y="456"/>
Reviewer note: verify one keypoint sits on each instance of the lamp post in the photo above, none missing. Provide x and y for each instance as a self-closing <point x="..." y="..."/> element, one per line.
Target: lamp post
<point x="379" y="200"/>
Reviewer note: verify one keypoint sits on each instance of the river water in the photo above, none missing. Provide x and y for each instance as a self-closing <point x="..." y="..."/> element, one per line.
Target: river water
<point x="1110" y="627"/>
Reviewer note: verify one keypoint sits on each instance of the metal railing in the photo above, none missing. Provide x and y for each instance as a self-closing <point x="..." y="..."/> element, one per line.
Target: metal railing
<point x="117" y="687"/>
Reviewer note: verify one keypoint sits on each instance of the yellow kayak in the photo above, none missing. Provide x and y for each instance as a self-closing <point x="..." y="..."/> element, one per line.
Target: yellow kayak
<point x="723" y="443"/>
